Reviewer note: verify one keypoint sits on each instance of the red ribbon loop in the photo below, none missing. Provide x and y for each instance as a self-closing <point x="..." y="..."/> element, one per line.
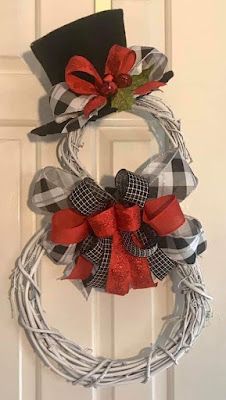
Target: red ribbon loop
<point x="163" y="214"/>
<point x="79" y="85"/>
<point x="120" y="60"/>
<point x="68" y="227"/>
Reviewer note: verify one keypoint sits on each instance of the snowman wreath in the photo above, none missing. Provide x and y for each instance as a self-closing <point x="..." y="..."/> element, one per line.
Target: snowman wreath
<point x="117" y="238"/>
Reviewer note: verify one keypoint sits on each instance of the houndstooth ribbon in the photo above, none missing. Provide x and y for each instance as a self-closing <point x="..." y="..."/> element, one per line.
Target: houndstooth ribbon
<point x="67" y="107"/>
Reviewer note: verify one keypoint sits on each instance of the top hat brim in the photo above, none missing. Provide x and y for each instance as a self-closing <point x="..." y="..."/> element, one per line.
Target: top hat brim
<point x="53" y="128"/>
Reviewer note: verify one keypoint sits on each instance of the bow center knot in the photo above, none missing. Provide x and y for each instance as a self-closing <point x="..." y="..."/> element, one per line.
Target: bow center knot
<point x="110" y="84"/>
<point x="104" y="224"/>
<point x="115" y="219"/>
<point x="108" y="87"/>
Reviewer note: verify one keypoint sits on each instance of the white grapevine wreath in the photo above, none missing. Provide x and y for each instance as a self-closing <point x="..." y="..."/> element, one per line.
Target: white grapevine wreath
<point x="180" y="330"/>
<point x="117" y="238"/>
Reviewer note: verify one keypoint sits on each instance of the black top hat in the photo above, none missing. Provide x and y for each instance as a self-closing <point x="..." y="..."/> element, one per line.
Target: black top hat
<point x="90" y="37"/>
<point x="96" y="38"/>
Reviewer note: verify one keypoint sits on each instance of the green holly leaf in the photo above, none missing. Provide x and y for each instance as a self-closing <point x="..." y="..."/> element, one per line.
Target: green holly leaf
<point x="139" y="80"/>
<point x="123" y="99"/>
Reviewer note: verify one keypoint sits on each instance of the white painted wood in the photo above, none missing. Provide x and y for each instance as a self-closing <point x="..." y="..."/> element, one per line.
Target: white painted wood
<point x="55" y="13"/>
<point x="101" y="5"/>
<point x="198" y="96"/>
<point x="17" y="28"/>
<point x="111" y="325"/>
<point x="17" y="88"/>
<point x="145" y="21"/>
<point x="17" y="165"/>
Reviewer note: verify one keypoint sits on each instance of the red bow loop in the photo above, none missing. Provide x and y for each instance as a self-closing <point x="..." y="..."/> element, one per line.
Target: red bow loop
<point x="163" y="214"/>
<point x="79" y="85"/>
<point x="120" y="60"/>
<point x="68" y="227"/>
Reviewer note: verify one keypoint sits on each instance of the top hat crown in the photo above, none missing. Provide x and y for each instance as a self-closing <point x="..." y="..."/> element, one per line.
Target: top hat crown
<point x="90" y="37"/>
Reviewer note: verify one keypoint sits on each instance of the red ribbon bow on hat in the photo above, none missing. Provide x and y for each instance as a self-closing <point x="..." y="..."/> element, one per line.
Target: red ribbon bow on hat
<point x="164" y="215"/>
<point x="119" y="62"/>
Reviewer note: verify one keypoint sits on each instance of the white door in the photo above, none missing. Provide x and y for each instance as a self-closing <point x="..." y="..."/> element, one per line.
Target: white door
<point x="192" y="34"/>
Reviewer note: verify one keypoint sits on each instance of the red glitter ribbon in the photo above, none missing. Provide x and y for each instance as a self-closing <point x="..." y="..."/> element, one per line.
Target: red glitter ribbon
<point x="125" y="271"/>
<point x="163" y="214"/>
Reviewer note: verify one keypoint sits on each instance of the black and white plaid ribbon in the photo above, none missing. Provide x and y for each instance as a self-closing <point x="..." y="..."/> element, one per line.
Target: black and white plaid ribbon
<point x="51" y="188"/>
<point x="168" y="173"/>
<point x="186" y="243"/>
<point x="163" y="174"/>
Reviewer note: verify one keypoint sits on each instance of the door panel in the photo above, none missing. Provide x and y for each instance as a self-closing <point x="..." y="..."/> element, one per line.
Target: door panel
<point x="110" y="325"/>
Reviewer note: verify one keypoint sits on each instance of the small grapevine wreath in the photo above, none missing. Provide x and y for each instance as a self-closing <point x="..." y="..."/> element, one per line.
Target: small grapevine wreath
<point x="117" y="238"/>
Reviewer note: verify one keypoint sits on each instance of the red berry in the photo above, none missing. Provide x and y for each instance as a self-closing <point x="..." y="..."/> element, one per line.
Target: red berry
<point x="108" y="89"/>
<point x="123" y="80"/>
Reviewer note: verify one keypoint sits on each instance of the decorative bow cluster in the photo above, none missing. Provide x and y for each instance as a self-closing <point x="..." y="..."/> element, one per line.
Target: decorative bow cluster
<point x="117" y="76"/>
<point x="114" y="241"/>
<point x="120" y="224"/>
<point x="129" y="72"/>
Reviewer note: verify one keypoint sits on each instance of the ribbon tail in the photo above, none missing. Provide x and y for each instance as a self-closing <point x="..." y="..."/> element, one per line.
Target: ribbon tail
<point x="51" y="128"/>
<point x="140" y="270"/>
<point x="95" y="103"/>
<point x="82" y="269"/>
<point x="126" y="271"/>
<point x="148" y="88"/>
<point x="167" y="76"/>
<point x="77" y="65"/>
<point x="119" y="274"/>
<point x="159" y="263"/>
